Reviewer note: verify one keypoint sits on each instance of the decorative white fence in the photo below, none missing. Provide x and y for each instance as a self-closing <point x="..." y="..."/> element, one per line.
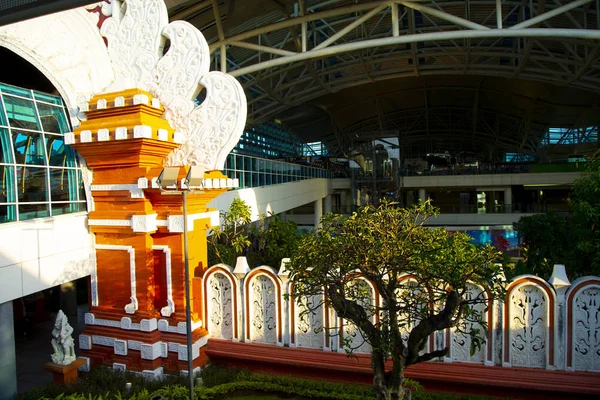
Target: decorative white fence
<point x="538" y="325"/>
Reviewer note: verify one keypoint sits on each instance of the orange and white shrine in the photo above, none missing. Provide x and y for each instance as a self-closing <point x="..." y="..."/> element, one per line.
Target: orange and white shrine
<point x="145" y="120"/>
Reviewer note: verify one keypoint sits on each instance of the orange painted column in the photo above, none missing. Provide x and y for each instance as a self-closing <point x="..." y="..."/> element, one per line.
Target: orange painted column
<point x="137" y="314"/>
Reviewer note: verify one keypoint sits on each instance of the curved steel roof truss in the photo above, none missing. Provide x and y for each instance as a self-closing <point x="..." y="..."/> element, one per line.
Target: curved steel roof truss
<point x="348" y="45"/>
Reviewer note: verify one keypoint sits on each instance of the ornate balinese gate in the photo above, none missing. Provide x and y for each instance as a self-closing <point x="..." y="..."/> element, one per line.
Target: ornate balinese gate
<point x="146" y="119"/>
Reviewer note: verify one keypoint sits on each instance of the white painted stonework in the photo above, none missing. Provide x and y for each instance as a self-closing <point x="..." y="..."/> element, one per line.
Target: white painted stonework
<point x="68" y="50"/>
<point x="42" y="253"/>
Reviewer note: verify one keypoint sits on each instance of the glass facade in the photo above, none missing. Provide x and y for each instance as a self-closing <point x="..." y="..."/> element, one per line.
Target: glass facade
<point x="268" y="140"/>
<point x="255" y="172"/>
<point x="375" y="167"/>
<point x="40" y="174"/>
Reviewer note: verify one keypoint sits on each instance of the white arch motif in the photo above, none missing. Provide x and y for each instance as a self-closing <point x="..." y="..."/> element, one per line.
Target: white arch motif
<point x="530" y="307"/>
<point x="220" y="295"/>
<point x="68" y="50"/>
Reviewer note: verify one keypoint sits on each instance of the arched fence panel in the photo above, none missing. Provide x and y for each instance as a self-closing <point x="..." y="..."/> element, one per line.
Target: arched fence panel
<point x="220" y="294"/>
<point x="529" y="323"/>
<point x="309" y="322"/>
<point x="460" y="342"/>
<point x="351" y="337"/>
<point x="583" y="325"/>
<point x="536" y="325"/>
<point x="263" y="294"/>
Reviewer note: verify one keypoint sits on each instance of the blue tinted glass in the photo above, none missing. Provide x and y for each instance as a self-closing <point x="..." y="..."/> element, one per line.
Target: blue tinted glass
<point x="48" y="98"/>
<point x="3" y="120"/>
<point x="79" y="184"/>
<point x="230" y="162"/>
<point x="8" y="212"/>
<point x="29" y="148"/>
<point x="29" y="211"/>
<point x="53" y="118"/>
<point x="32" y="184"/>
<point x="21" y="113"/>
<point x="4" y="88"/>
<point x="59" y="184"/>
<point x="59" y="154"/>
<point x="7" y="185"/>
<point x="6" y="154"/>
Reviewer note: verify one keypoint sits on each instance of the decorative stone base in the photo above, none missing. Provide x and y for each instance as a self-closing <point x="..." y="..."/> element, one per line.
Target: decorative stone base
<point x="63" y="374"/>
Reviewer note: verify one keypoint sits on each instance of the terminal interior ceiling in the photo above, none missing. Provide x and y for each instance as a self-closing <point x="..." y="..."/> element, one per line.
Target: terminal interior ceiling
<point x="479" y="77"/>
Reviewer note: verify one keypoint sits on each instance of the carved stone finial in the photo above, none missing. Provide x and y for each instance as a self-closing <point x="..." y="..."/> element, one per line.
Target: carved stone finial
<point x="136" y="35"/>
<point x="62" y="341"/>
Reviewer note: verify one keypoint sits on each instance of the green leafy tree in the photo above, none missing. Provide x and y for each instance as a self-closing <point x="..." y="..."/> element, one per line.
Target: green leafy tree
<point x="231" y="239"/>
<point x="585" y="204"/>
<point x="575" y="240"/>
<point x="273" y="240"/>
<point x="547" y="240"/>
<point x="383" y="244"/>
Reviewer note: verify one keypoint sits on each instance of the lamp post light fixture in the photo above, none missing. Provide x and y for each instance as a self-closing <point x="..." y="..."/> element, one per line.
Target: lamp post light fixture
<point x="167" y="181"/>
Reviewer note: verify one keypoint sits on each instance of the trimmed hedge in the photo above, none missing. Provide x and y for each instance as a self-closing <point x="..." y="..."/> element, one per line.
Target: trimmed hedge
<point x="217" y="383"/>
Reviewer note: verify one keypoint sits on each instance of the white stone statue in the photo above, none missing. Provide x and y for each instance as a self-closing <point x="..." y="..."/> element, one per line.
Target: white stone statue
<point x="62" y="341"/>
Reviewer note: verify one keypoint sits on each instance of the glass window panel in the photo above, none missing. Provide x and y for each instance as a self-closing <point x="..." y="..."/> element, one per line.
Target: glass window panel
<point x="29" y="148"/>
<point x="230" y="163"/>
<point x="59" y="154"/>
<point x="248" y="178"/>
<point x="3" y="120"/>
<point x="32" y="184"/>
<point x="48" y="98"/>
<point x="4" y="88"/>
<point x="261" y="179"/>
<point x="7" y="185"/>
<point x="239" y="163"/>
<point x="53" y="118"/>
<point x="29" y="211"/>
<point x="59" y="185"/>
<point x="6" y="154"/>
<point x="254" y="180"/>
<point x="63" y="208"/>
<point x="21" y="113"/>
<point x="77" y="183"/>
<point x="60" y="208"/>
<point x="8" y="212"/>
<point x="78" y="207"/>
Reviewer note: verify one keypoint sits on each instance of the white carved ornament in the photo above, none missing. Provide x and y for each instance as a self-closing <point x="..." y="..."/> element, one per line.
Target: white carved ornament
<point x="586" y="330"/>
<point x="263" y="312"/>
<point x="528" y="325"/>
<point x="461" y="341"/>
<point x="309" y="322"/>
<point x="353" y="337"/>
<point x="136" y="35"/>
<point x="220" y="307"/>
<point x="407" y="295"/>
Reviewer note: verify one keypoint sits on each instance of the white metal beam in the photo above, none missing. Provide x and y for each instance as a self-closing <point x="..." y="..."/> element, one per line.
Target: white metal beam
<point x="423" y="37"/>
<point x="549" y="14"/>
<point x="443" y="15"/>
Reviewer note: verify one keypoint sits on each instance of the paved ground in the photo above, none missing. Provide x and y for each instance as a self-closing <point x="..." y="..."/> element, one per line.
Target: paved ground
<point x="34" y="350"/>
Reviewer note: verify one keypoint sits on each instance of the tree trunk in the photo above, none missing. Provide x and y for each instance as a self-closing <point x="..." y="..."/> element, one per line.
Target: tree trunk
<point x="388" y="385"/>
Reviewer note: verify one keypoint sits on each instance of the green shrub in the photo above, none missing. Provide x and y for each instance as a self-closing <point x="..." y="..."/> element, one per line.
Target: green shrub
<point x="218" y="382"/>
